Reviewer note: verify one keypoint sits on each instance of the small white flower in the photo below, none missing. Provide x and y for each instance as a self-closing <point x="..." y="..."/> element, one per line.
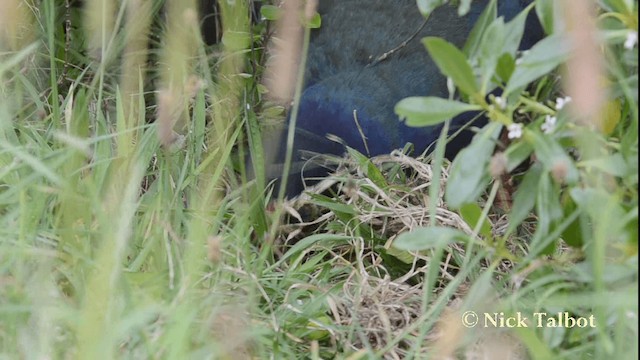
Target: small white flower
<point x="561" y="102"/>
<point x="515" y="131"/>
<point x="501" y="102"/>
<point x="549" y="124"/>
<point x="631" y="41"/>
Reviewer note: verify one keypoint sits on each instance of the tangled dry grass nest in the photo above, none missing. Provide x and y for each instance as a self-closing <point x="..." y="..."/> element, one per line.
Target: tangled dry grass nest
<point x="384" y="305"/>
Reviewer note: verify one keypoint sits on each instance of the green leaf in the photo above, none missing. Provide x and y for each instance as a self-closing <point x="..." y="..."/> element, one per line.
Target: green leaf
<point x="428" y="111"/>
<point x="236" y="40"/>
<point x="543" y="57"/>
<point x="489" y="13"/>
<point x="524" y="198"/>
<point x="270" y="12"/>
<point x="544" y="10"/>
<point x="514" y="30"/>
<point x="452" y="63"/>
<point x="315" y="21"/>
<point x="471" y="214"/>
<point x="505" y="67"/>
<point x="572" y="235"/>
<point x="333" y="205"/>
<point x="611" y="164"/>
<point x="369" y="168"/>
<point x="256" y="150"/>
<point x="490" y="49"/>
<point x="548" y="209"/>
<point x="611" y="114"/>
<point x="469" y="175"/>
<point x="403" y="256"/>
<point x="425" y="238"/>
<point x="605" y="210"/>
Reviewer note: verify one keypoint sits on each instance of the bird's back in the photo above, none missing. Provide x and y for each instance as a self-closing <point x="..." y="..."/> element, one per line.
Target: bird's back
<point x="367" y="56"/>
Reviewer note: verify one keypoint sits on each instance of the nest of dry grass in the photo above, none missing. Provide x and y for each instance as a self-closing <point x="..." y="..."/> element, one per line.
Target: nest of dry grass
<point x="383" y="305"/>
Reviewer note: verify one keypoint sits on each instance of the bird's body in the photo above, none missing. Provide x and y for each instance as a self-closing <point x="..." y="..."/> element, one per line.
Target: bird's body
<point x="366" y="57"/>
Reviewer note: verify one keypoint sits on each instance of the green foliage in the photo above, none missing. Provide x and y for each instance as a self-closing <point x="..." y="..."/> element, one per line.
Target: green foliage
<point x="427" y="111"/>
<point x="428" y="238"/>
<point x="469" y="172"/>
<point x="578" y="182"/>
<point x="453" y="64"/>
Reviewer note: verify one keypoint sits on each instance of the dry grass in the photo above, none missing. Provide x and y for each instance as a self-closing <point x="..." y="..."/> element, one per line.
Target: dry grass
<point x="381" y="304"/>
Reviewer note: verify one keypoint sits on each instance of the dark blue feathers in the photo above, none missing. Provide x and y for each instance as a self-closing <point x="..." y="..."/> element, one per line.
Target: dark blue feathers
<point x="351" y="88"/>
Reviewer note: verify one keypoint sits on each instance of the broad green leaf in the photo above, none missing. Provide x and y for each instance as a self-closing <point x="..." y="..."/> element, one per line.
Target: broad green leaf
<point x="543" y="57"/>
<point x="612" y="164"/>
<point x="452" y="63"/>
<point x="469" y="175"/>
<point x="236" y="40"/>
<point x="514" y="30"/>
<point x="505" y="67"/>
<point x="270" y="12"/>
<point x="317" y="328"/>
<point x="489" y="51"/>
<point x="489" y="13"/>
<point x="524" y="198"/>
<point x="315" y="21"/>
<point x="401" y="255"/>
<point x="427" y="111"/>
<point x="611" y="115"/>
<point x="471" y="213"/>
<point x="425" y="238"/>
<point x="572" y="235"/>
<point x="544" y="10"/>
